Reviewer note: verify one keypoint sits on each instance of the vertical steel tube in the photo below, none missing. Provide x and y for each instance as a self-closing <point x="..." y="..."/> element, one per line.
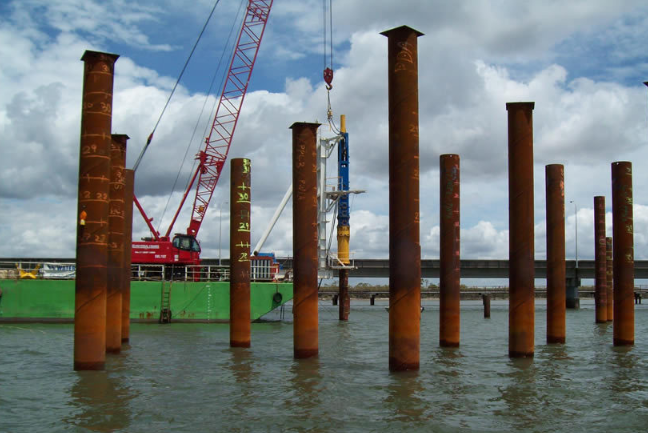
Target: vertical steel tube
<point x="623" y="253"/>
<point x="608" y="279"/>
<point x="343" y="229"/>
<point x="521" y="240"/>
<point x="600" y="261"/>
<point x="486" y="301"/>
<point x="450" y="262"/>
<point x="556" y="283"/>
<point x="305" y="316"/>
<point x="404" y="230"/>
<point x="344" y="300"/>
<point x="240" y="198"/>
<point x="115" y="244"/>
<point x="129" y="177"/>
<point x="92" y="214"/>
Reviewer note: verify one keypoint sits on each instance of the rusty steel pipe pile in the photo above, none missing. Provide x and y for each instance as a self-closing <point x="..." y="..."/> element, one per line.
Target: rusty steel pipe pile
<point x="623" y="253"/>
<point x="92" y="213"/>
<point x="115" y="244"/>
<point x="305" y="300"/>
<point x="129" y="180"/>
<point x="240" y="198"/>
<point x="450" y="262"/>
<point x="608" y="279"/>
<point x="486" y="302"/>
<point x="521" y="230"/>
<point x="344" y="306"/>
<point x="404" y="227"/>
<point x="600" y="261"/>
<point x="556" y="287"/>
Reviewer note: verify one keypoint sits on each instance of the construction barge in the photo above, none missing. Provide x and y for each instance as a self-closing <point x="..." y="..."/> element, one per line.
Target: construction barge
<point x="44" y="292"/>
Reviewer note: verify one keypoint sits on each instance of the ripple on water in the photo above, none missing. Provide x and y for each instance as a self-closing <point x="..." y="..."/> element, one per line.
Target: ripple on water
<point x="186" y="378"/>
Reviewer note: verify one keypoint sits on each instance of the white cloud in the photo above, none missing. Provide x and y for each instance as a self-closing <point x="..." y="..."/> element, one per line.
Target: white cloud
<point x="469" y="64"/>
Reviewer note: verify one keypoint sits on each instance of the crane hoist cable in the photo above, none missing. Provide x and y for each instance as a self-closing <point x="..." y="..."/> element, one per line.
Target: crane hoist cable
<point x="327" y="42"/>
<point x="328" y="66"/>
<point x="150" y="137"/>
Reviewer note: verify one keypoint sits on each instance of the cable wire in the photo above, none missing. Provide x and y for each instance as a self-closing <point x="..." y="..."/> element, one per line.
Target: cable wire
<point x="193" y="134"/>
<point x="331" y="28"/>
<point x="150" y="137"/>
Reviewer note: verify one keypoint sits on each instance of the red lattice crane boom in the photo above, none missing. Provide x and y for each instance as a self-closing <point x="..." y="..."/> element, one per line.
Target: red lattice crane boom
<point x="211" y="159"/>
<point x="217" y="145"/>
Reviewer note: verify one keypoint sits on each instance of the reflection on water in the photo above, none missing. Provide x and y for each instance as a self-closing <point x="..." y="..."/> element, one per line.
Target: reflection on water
<point x="241" y="365"/>
<point x="625" y="372"/>
<point x="449" y="363"/>
<point x="185" y="377"/>
<point x="520" y="393"/>
<point x="101" y="402"/>
<point x="404" y="399"/>
<point x="305" y="383"/>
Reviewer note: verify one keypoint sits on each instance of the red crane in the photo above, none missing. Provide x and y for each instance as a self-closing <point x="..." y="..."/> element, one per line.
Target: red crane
<point x="185" y="249"/>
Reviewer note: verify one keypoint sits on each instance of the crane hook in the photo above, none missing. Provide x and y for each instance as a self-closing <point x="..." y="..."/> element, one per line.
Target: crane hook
<point x="328" y="78"/>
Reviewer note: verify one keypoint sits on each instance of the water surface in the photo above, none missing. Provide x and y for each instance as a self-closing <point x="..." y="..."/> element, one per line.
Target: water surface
<point x="184" y="377"/>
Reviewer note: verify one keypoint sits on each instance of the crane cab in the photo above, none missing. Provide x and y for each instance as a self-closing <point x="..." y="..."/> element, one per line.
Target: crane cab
<point x="182" y="250"/>
<point x="186" y="243"/>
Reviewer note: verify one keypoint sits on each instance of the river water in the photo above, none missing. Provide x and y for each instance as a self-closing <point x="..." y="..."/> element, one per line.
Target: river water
<point x="184" y="377"/>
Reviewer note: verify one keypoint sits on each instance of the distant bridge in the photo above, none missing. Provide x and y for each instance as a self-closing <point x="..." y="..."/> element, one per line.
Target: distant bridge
<point x="476" y="268"/>
<point x="470" y="268"/>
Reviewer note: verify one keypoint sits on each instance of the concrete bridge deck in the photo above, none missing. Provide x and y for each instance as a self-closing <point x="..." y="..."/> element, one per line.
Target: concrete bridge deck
<point x="379" y="268"/>
<point x="477" y="268"/>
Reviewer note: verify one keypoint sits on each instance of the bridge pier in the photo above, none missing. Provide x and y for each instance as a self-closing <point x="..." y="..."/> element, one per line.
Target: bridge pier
<point x="573" y="301"/>
<point x="486" y="301"/>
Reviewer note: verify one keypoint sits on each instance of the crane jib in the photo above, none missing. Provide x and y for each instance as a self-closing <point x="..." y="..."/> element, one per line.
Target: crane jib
<point x="227" y="112"/>
<point x="214" y="155"/>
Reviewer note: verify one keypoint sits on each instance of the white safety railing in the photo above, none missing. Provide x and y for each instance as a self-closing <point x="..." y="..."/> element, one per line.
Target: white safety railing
<point x="260" y="270"/>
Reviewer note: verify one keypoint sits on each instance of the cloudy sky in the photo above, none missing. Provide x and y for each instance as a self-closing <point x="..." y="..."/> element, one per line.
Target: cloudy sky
<point x="582" y="62"/>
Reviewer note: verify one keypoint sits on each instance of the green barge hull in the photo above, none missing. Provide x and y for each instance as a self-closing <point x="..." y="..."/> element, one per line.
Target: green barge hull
<point x="208" y="301"/>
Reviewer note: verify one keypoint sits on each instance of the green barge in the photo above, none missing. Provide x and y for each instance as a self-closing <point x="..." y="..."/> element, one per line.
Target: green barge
<point x="43" y="300"/>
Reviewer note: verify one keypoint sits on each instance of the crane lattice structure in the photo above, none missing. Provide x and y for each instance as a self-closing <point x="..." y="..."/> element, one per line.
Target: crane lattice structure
<point x="212" y="158"/>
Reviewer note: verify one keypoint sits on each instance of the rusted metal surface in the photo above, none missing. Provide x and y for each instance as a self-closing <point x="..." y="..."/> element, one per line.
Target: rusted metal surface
<point x="344" y="302"/>
<point x="305" y="317"/>
<point x="450" y="261"/>
<point x="608" y="279"/>
<point x="92" y="213"/>
<point x="129" y="180"/>
<point x="404" y="230"/>
<point x="240" y="199"/>
<point x="115" y="243"/>
<point x="600" y="261"/>
<point x="486" y="301"/>
<point x="556" y="284"/>
<point x="521" y="238"/>
<point x="623" y="253"/>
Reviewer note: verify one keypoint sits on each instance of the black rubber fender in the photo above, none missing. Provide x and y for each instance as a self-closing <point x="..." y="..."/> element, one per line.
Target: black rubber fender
<point x="277" y="298"/>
